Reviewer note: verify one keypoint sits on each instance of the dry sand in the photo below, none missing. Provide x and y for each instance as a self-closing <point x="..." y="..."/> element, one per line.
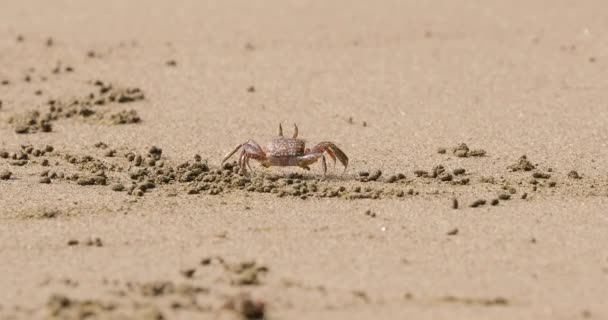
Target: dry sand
<point x="192" y="240"/>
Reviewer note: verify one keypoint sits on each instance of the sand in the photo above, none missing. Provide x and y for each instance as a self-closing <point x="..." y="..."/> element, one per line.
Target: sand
<point x="115" y="115"/>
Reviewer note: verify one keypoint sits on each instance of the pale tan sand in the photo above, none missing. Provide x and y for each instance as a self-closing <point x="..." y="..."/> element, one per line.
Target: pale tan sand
<point x="510" y="77"/>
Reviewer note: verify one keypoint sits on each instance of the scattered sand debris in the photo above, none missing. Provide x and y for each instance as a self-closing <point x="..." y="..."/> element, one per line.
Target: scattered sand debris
<point x="19" y="163"/>
<point x="453" y="232"/>
<point x="62" y="307"/>
<point x="504" y="196"/>
<point x="421" y="173"/>
<point x="31" y="122"/>
<point x="149" y="313"/>
<point x="360" y="294"/>
<point x="44" y="213"/>
<point x="245" y="306"/>
<point x="463" y="151"/>
<point x="118" y="187"/>
<point x="5" y="174"/>
<point x="101" y="145"/>
<point x="499" y="301"/>
<point x="370" y="213"/>
<point x="109" y="153"/>
<point x="210" y="260"/>
<point x="156" y="152"/>
<point x="90" y="180"/>
<point x="156" y="288"/>
<point x="478" y="203"/>
<point x="245" y="273"/>
<point x="365" y="176"/>
<point x="523" y="164"/>
<point x="162" y="288"/>
<point x="124" y="117"/>
<point x="487" y="179"/>
<point x="90" y="242"/>
<point x="45" y="180"/>
<point x="109" y="93"/>
<point x="188" y="273"/>
<point x="540" y="175"/>
<point x="440" y="173"/>
<point x="84" y="107"/>
<point x="458" y="171"/>
<point x="146" y="171"/>
<point x="395" y="178"/>
<point x="59" y="68"/>
<point x="94" y="242"/>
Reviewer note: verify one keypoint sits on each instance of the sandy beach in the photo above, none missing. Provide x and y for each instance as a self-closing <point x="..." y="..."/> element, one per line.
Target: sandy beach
<point x="476" y="185"/>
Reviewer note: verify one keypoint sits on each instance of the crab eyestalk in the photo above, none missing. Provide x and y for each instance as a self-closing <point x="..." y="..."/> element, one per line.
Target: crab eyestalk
<point x="295" y="130"/>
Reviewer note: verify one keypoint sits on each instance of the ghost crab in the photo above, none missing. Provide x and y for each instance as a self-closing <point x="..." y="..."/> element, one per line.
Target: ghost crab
<point x="284" y="152"/>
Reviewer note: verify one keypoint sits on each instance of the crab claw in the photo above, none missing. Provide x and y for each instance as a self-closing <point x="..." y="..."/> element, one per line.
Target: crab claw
<point x="333" y="151"/>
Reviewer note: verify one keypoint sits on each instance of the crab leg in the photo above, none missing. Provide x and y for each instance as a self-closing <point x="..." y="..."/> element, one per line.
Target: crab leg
<point x="227" y="156"/>
<point x="239" y="162"/>
<point x="247" y="162"/>
<point x="332" y="155"/>
<point x="254" y="148"/>
<point x="324" y="164"/>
